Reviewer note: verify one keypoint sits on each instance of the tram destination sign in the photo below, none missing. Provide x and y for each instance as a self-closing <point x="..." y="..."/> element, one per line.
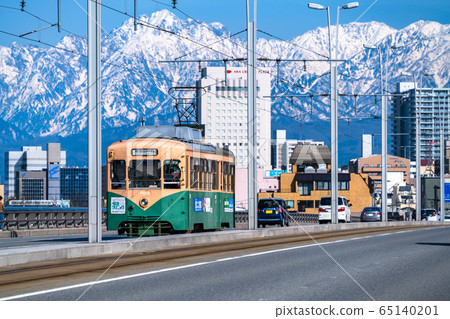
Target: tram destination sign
<point x="144" y="152"/>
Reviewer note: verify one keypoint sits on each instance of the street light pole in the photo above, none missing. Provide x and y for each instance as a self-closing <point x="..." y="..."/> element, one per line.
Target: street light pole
<point x="418" y="144"/>
<point x="251" y="114"/>
<point x="418" y="157"/>
<point x="94" y="122"/>
<point x="333" y="109"/>
<point x="384" y="121"/>
<point x="383" y="137"/>
<point x="442" y="163"/>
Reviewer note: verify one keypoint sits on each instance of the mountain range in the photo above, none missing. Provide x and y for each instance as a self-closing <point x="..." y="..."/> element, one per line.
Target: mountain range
<point x="43" y="90"/>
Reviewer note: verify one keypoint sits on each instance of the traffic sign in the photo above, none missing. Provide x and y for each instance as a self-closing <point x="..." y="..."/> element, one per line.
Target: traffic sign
<point x="447" y="192"/>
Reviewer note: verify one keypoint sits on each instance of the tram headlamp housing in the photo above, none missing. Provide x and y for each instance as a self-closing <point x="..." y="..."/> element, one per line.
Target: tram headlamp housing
<point x="143" y="202"/>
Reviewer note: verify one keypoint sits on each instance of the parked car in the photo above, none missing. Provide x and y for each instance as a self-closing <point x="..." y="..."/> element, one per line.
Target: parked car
<point x="240" y="209"/>
<point x="371" y="214"/>
<point x="395" y="216"/>
<point x="272" y="211"/>
<point x="434" y="217"/>
<point x="428" y="212"/>
<point x="344" y="213"/>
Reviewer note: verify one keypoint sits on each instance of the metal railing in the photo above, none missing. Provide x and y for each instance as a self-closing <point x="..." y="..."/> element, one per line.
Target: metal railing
<point x="301" y="218"/>
<point x="57" y="217"/>
<point x="44" y="218"/>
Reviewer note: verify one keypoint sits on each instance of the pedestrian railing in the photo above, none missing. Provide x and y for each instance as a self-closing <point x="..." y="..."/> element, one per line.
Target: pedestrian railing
<point x="43" y="218"/>
<point x="301" y="218"/>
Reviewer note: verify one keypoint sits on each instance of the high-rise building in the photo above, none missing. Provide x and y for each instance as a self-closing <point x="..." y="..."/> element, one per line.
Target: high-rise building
<point x="33" y="159"/>
<point x="432" y="107"/>
<point x="366" y="145"/>
<point x="222" y="102"/>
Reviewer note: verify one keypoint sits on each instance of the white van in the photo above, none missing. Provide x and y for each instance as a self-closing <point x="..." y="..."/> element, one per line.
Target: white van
<point x="344" y="213"/>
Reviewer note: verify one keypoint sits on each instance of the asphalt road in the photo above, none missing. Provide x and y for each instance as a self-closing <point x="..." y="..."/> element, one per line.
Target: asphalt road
<point x="411" y="265"/>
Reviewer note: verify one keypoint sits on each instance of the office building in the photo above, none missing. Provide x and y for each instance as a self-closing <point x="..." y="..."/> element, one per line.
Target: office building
<point x="74" y="185"/>
<point x="33" y="159"/>
<point x="32" y="185"/>
<point x="432" y="105"/>
<point x="222" y="109"/>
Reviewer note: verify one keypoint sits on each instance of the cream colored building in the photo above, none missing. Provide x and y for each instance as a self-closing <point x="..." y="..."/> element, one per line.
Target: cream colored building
<point x="223" y="111"/>
<point x="372" y="167"/>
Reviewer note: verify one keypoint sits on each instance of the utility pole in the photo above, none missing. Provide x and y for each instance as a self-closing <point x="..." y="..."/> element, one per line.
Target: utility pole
<point x="251" y="115"/>
<point x="94" y="121"/>
<point x="442" y="163"/>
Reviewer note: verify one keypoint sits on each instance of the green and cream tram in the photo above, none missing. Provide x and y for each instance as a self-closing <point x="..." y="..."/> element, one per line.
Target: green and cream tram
<point x="166" y="181"/>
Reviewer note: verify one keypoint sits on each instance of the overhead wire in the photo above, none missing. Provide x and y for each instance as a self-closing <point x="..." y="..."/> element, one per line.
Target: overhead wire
<point x="155" y="27"/>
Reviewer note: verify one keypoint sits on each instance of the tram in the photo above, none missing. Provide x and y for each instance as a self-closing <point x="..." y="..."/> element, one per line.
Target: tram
<point x="166" y="180"/>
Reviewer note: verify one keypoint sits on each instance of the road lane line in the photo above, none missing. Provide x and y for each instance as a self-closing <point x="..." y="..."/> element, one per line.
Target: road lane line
<point x="184" y="267"/>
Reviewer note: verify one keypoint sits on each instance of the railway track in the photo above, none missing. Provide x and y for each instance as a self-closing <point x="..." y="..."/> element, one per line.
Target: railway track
<point x="24" y="278"/>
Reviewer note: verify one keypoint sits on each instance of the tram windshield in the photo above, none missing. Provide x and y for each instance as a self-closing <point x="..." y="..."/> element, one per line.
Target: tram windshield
<point x="144" y="173"/>
<point x="118" y="174"/>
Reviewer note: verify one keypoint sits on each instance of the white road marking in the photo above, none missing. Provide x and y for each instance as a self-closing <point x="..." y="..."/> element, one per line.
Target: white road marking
<point x="92" y="283"/>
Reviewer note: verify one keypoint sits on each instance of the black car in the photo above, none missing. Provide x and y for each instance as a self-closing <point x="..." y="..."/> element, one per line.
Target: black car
<point x="272" y="211"/>
<point x="395" y="216"/>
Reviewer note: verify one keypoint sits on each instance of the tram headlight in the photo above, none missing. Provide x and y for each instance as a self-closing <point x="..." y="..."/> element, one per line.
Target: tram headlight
<point x="143" y="202"/>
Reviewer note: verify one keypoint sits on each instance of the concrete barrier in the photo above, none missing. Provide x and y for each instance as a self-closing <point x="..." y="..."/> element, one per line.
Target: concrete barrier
<point x="22" y="255"/>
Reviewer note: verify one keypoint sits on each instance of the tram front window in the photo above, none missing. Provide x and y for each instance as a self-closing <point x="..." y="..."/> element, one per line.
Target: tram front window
<point x="172" y="174"/>
<point x="118" y="174"/>
<point x="144" y="173"/>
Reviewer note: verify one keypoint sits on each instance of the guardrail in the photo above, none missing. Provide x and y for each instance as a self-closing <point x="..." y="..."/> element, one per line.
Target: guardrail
<point x="46" y="217"/>
<point x="64" y="217"/>
<point x="242" y="217"/>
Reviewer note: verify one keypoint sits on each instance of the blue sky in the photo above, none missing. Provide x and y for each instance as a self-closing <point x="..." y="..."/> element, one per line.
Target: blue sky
<point x="283" y="18"/>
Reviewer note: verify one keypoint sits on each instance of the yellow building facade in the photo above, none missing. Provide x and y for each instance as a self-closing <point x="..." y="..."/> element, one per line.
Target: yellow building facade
<point x="303" y="191"/>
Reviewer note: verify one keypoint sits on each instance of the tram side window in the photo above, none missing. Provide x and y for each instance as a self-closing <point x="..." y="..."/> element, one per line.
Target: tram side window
<point x="207" y="174"/>
<point x="118" y="174"/>
<point x="232" y="171"/>
<point x="195" y="170"/>
<point x="172" y="173"/>
<point x="144" y="173"/>
<point x="201" y="178"/>
<point x="225" y="169"/>
<point x="204" y="174"/>
<point x="214" y="174"/>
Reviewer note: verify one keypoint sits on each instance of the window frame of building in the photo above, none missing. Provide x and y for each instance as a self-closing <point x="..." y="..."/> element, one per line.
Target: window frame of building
<point x="305" y="188"/>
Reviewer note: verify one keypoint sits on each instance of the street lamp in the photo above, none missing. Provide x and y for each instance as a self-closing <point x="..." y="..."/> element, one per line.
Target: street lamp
<point x="333" y="107"/>
<point x="350" y="5"/>
<point x="418" y="141"/>
<point x="383" y="132"/>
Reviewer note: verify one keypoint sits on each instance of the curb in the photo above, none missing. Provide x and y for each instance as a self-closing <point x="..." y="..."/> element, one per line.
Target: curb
<point x="16" y="256"/>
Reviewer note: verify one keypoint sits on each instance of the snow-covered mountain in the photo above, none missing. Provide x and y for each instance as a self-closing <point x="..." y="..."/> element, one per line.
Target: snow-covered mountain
<point x="43" y="91"/>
